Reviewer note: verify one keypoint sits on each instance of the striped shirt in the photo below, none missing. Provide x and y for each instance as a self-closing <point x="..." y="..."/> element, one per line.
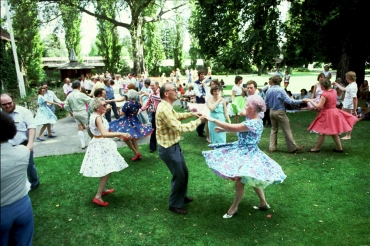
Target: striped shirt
<point x="154" y="100"/>
<point x="169" y="127"/>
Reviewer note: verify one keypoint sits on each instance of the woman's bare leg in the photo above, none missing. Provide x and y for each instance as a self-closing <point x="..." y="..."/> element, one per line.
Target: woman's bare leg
<point x="261" y="195"/>
<point x="101" y="188"/>
<point x="239" y="193"/>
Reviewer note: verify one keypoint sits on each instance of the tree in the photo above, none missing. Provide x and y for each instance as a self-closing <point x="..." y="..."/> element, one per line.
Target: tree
<point x="72" y="28"/>
<point x="135" y="9"/>
<point x="109" y="46"/>
<point x="29" y="45"/>
<point x="153" y="48"/>
<point x="238" y="32"/>
<point x="94" y="49"/>
<point x="324" y="32"/>
<point x="53" y="47"/>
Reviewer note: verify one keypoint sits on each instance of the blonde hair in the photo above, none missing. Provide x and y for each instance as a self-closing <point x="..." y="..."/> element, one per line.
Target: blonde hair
<point x="351" y="75"/>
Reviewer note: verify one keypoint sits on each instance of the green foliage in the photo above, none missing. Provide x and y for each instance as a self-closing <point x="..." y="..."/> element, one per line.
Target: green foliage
<point x="153" y="48"/>
<point x="95" y="51"/>
<point x="29" y="45"/>
<point x="8" y="74"/>
<point x="109" y="44"/>
<point x="53" y="47"/>
<point x="238" y="33"/>
<point x="72" y="27"/>
<point x="324" y="33"/>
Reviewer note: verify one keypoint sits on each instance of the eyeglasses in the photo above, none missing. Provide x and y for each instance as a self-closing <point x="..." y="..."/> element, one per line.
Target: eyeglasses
<point x="174" y="89"/>
<point x="104" y="105"/>
<point x="6" y="104"/>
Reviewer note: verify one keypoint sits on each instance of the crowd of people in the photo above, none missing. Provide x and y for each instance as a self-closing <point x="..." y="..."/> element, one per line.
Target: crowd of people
<point x="148" y="110"/>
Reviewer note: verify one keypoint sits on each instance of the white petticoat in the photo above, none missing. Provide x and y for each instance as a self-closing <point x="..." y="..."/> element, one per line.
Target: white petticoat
<point x="102" y="158"/>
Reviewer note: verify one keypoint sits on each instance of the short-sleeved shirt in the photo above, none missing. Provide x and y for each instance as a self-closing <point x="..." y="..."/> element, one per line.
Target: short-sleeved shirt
<point x="23" y="120"/>
<point x="238" y="90"/>
<point x="351" y="92"/>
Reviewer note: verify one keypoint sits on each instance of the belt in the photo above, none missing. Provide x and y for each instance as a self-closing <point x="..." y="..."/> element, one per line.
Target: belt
<point x="98" y="136"/>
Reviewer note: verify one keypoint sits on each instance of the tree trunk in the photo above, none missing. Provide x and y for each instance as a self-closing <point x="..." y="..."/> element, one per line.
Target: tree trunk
<point x="137" y="46"/>
<point x="259" y="71"/>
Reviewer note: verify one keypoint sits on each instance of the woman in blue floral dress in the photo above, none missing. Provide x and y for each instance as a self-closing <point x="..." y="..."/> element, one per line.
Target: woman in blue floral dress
<point x="131" y="124"/>
<point x="243" y="161"/>
<point x="44" y="115"/>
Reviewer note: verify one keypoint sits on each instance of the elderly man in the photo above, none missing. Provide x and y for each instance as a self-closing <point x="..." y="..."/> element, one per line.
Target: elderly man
<point x="67" y="88"/>
<point x="252" y="90"/>
<point x="26" y="131"/>
<point x="110" y="96"/>
<point x="133" y="80"/>
<point x="275" y="99"/>
<point x="98" y="84"/>
<point x="76" y="102"/>
<point x="169" y="130"/>
<point x="51" y="97"/>
<point x="89" y="85"/>
<point x="153" y="101"/>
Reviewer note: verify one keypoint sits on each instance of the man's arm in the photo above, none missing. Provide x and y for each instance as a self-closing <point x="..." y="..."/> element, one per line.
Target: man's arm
<point x="148" y="102"/>
<point x="56" y="99"/>
<point x="169" y="119"/>
<point x="31" y="138"/>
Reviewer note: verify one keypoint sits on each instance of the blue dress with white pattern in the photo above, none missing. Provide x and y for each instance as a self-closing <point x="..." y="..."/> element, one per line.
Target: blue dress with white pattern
<point x="244" y="160"/>
<point x="44" y="114"/>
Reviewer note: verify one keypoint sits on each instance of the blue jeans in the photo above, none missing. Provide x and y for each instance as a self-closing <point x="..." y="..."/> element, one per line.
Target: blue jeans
<point x="17" y="223"/>
<point x="31" y="172"/>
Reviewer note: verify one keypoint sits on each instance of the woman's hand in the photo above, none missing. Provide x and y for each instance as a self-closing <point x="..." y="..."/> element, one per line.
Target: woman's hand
<point x="219" y="129"/>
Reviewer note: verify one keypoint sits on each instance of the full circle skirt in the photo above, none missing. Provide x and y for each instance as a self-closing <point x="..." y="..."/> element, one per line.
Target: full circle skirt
<point x="102" y="158"/>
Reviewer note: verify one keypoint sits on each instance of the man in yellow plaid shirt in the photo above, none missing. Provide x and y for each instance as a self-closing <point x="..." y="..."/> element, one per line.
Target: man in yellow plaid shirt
<point x="169" y="130"/>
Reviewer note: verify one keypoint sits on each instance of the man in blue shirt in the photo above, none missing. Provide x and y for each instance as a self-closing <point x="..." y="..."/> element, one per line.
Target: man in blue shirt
<point x="110" y="96"/>
<point x="275" y="99"/>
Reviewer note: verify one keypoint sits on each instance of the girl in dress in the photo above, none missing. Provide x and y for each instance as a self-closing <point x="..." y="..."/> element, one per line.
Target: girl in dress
<point x="317" y="91"/>
<point x="131" y="124"/>
<point x="217" y="106"/>
<point x="102" y="157"/>
<point x="330" y="121"/>
<point x="44" y="115"/>
<point x="243" y="161"/>
<point x="237" y="100"/>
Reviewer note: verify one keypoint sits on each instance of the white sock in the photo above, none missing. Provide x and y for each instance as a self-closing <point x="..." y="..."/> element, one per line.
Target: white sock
<point x="81" y="137"/>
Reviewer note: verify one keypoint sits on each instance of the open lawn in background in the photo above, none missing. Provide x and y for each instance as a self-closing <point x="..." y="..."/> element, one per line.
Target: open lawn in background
<point x="323" y="201"/>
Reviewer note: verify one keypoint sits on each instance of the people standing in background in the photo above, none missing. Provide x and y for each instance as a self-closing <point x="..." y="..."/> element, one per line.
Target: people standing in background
<point x="326" y="72"/>
<point x="75" y="104"/>
<point x="17" y="223"/>
<point x="89" y="85"/>
<point x="278" y="73"/>
<point x="26" y="132"/>
<point x="350" y="97"/>
<point x="286" y="79"/>
<point x="190" y="78"/>
<point x="163" y="78"/>
<point x="237" y="100"/>
<point x="172" y="77"/>
<point x="178" y="74"/>
<point x="50" y="96"/>
<point x="153" y="101"/>
<point x="98" y="84"/>
<point x="110" y="97"/>
<point x="200" y="97"/>
<point x="67" y="88"/>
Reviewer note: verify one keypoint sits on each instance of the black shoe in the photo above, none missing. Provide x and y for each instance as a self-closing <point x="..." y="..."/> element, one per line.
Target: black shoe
<point x="188" y="199"/>
<point x="151" y="151"/>
<point x="337" y="151"/>
<point x="201" y="135"/>
<point x="36" y="186"/>
<point x="178" y="210"/>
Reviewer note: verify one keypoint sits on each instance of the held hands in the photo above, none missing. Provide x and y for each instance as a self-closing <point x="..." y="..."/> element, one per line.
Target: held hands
<point x="30" y="146"/>
<point x="306" y="100"/>
<point x="126" y="136"/>
<point x="196" y="114"/>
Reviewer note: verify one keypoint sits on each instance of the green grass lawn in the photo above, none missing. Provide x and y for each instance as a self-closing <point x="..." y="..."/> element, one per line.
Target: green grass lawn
<point x="324" y="200"/>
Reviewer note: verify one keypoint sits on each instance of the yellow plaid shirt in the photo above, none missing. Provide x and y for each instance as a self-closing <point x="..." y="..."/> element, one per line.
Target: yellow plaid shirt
<point x="169" y="127"/>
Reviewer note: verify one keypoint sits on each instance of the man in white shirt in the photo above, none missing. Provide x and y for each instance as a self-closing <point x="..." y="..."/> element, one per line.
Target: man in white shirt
<point x="67" y="88"/>
<point x="26" y="131"/>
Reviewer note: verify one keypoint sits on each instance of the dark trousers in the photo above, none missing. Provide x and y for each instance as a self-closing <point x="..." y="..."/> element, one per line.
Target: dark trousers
<point x="200" y="128"/>
<point x="109" y="113"/>
<point x="17" y="223"/>
<point x="174" y="159"/>
<point x="267" y="118"/>
<point x="153" y="137"/>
